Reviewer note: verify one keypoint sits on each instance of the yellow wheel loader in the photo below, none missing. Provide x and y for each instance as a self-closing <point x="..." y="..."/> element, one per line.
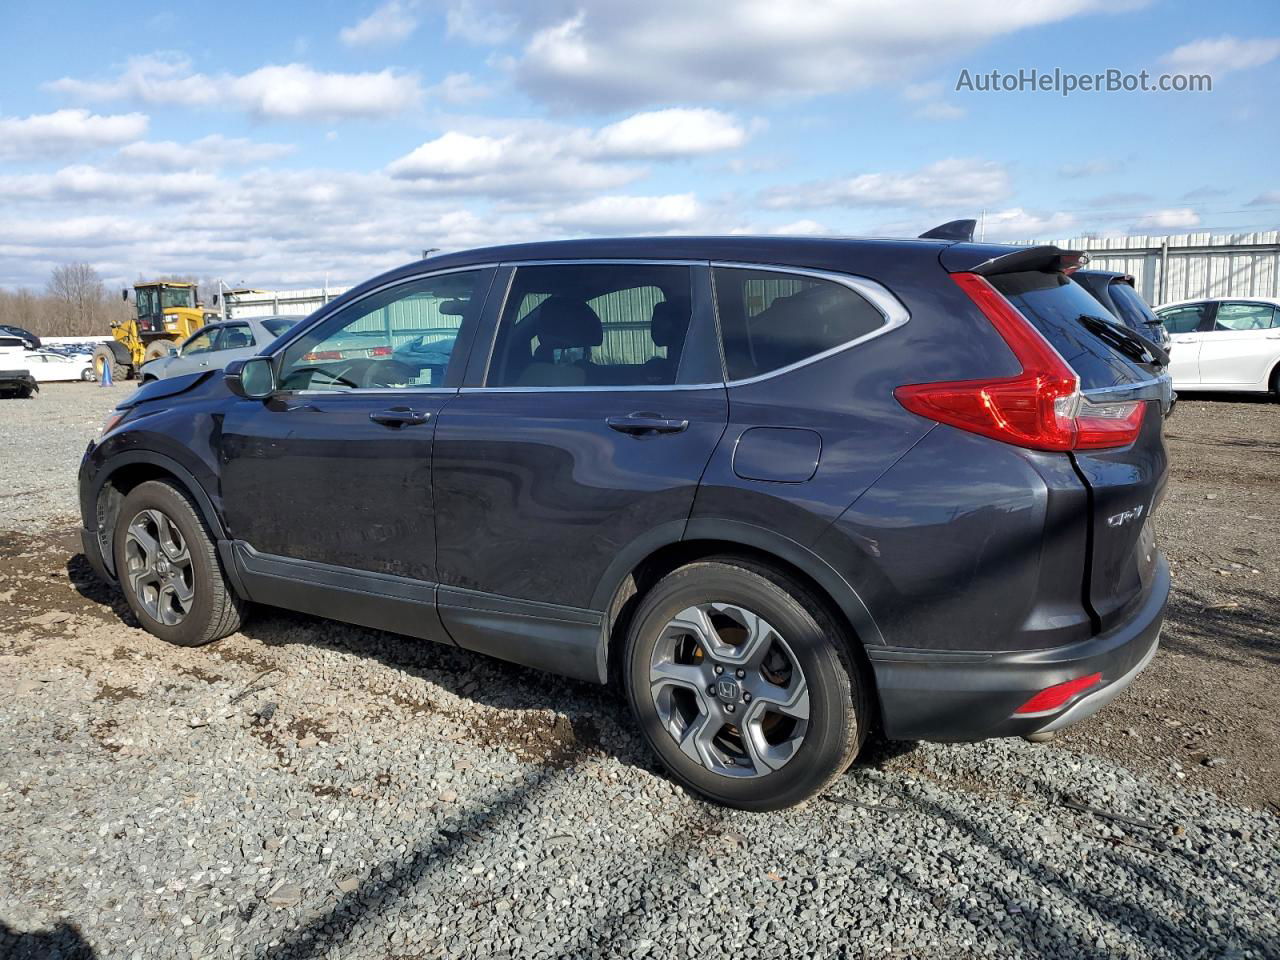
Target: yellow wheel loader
<point x="165" y="314"/>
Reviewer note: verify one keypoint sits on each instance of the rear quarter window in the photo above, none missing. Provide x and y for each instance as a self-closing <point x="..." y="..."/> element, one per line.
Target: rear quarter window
<point x="770" y="319"/>
<point x="1054" y="304"/>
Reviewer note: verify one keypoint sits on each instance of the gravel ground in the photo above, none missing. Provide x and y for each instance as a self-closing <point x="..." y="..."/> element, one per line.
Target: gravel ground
<point x="307" y="789"/>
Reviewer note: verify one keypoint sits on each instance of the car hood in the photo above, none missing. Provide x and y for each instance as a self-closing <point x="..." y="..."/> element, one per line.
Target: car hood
<point x="166" y="388"/>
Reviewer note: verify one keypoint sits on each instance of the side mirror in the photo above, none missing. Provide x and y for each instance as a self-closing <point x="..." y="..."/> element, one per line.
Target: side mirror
<point x="252" y="378"/>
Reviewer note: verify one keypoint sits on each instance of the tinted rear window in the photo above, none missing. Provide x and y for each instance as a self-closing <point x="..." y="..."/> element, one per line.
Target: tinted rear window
<point x="770" y="319"/>
<point x="1054" y="305"/>
<point x="1134" y="311"/>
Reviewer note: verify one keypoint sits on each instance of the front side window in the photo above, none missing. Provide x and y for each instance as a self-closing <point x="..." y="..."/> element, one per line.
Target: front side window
<point x="593" y="324"/>
<point x="397" y="338"/>
<point x="1184" y="319"/>
<point x="1244" y="316"/>
<point x="202" y="342"/>
<point x="770" y="320"/>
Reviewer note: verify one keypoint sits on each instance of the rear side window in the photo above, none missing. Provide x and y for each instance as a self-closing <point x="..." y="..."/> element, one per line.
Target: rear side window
<point x="278" y="325"/>
<point x="1244" y="316"/>
<point x="235" y="336"/>
<point x="1186" y="319"/>
<point x="770" y="319"/>
<point x="1134" y="311"/>
<point x="1055" y="305"/>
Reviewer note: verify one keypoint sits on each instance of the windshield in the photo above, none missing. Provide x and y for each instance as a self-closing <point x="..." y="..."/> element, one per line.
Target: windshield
<point x="1133" y="309"/>
<point x="278" y="325"/>
<point x="177" y="297"/>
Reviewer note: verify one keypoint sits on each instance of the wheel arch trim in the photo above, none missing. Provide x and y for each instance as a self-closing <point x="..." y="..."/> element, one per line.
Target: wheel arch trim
<point x="846" y="598"/>
<point x="192" y="486"/>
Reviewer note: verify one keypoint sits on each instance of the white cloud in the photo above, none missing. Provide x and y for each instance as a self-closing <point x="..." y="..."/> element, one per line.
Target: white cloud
<point x="66" y="131"/>
<point x="211" y="152"/>
<point x="544" y="158"/>
<point x="1175" y="218"/>
<point x="514" y="165"/>
<point x="676" y="132"/>
<point x="954" y="182"/>
<point x="85" y="182"/>
<point x="458" y="88"/>
<point x="488" y="28"/>
<point x="604" y="54"/>
<point x="289" y="91"/>
<point x="1019" y="224"/>
<point x="389" y="23"/>
<point x="1221" y="55"/>
<point x="629" y="214"/>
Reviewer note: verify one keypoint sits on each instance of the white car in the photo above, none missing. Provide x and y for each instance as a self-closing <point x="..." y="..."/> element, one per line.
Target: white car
<point x="1224" y="343"/>
<point x="46" y="366"/>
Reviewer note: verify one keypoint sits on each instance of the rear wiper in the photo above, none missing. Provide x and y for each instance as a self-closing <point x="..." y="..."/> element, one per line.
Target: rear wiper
<point x="1125" y="340"/>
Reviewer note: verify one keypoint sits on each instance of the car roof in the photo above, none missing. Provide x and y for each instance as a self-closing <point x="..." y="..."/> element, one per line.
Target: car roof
<point x="837" y="254"/>
<point x="1270" y="301"/>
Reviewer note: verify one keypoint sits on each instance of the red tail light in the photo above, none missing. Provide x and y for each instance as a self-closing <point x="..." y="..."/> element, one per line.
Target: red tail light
<point x="319" y="356"/>
<point x="1051" y="698"/>
<point x="379" y="351"/>
<point x="1041" y="408"/>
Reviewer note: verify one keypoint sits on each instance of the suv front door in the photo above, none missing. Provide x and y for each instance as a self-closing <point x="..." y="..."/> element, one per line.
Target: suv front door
<point x="327" y="483"/>
<point x="581" y="431"/>
<point x="1185" y="324"/>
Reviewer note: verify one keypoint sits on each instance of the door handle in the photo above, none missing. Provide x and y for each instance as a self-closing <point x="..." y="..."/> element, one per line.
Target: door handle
<point x="399" y="417"/>
<point x="643" y="424"/>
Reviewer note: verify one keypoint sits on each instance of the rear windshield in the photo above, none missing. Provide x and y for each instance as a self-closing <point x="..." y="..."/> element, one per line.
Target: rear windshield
<point x="278" y="325"/>
<point x="1133" y="309"/>
<point x="1054" y="305"/>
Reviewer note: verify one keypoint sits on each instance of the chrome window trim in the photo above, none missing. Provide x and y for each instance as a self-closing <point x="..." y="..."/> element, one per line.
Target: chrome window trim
<point x="879" y="296"/>
<point x="382" y="391"/>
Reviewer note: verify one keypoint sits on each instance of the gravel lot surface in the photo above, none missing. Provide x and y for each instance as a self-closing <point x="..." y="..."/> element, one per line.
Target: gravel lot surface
<point x="308" y="789"/>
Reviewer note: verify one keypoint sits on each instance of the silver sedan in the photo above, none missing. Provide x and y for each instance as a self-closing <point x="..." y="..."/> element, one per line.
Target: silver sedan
<point x="217" y="344"/>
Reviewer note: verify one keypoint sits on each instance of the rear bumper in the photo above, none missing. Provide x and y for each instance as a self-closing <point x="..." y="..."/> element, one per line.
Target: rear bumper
<point x="939" y="695"/>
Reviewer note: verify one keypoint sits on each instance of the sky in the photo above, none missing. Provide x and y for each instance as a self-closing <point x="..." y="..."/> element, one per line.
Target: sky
<point x="295" y="144"/>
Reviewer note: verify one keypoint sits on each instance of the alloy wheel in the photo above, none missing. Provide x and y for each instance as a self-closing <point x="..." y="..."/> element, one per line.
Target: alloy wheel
<point x="729" y="690"/>
<point x="159" y="567"/>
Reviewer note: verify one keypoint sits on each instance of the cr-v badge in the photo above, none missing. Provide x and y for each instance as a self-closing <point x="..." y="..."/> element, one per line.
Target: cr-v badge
<point x="1120" y="519"/>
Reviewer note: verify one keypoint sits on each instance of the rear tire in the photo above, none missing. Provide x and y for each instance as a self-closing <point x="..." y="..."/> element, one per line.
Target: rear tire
<point x="777" y="748"/>
<point x="169" y="570"/>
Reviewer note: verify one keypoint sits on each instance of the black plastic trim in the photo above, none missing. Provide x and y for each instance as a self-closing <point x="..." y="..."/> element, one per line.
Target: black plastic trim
<point x="569" y="641"/>
<point x="946" y="696"/>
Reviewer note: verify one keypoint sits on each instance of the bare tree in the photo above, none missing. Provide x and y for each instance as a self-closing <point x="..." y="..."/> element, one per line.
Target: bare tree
<point x="78" y="294"/>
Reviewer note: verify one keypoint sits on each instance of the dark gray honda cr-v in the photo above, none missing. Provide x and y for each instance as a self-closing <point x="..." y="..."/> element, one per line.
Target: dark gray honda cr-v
<point x="784" y="490"/>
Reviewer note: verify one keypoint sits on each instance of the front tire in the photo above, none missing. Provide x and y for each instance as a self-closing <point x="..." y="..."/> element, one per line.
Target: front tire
<point x="104" y="357"/>
<point x="742" y="683"/>
<point x="168" y="568"/>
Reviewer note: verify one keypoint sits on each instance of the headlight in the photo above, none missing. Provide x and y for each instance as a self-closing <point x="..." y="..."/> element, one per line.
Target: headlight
<point x="109" y="424"/>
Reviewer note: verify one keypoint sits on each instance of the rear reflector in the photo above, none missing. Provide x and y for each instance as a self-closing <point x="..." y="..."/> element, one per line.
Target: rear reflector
<point x="1041" y="408"/>
<point x="1051" y="698"/>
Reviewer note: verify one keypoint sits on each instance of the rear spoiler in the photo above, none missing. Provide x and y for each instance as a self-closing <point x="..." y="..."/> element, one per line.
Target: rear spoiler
<point x="1046" y="258"/>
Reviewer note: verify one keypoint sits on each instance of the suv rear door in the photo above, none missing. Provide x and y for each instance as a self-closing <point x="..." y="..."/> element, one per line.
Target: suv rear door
<point x="584" y="425"/>
<point x="1125" y="484"/>
<point x="1240" y="349"/>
